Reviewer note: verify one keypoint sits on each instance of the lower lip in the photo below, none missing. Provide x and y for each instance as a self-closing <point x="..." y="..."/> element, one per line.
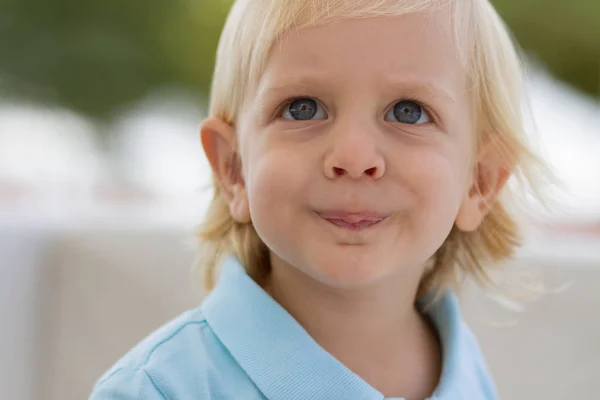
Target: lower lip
<point x="353" y="226"/>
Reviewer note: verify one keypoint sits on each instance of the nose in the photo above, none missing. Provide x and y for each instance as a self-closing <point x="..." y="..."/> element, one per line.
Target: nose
<point x="354" y="153"/>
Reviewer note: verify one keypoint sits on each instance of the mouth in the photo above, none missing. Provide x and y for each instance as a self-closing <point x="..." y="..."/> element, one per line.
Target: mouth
<point x="353" y="221"/>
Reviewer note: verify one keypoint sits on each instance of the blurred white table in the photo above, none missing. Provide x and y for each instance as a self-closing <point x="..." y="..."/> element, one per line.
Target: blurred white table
<point x="22" y="257"/>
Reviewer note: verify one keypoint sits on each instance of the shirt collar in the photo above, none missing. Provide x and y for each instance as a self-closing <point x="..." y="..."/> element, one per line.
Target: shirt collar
<point x="284" y="361"/>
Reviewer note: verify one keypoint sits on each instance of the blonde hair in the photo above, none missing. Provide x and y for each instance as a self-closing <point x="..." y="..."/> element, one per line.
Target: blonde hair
<point x="492" y="63"/>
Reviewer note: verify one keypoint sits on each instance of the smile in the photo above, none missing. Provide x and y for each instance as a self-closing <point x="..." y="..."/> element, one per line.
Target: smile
<point x="353" y="221"/>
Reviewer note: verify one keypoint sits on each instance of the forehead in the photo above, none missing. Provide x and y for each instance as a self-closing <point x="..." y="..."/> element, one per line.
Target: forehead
<point x="419" y="47"/>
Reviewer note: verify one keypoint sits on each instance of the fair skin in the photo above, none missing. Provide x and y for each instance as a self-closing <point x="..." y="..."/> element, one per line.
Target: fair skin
<point x="353" y="186"/>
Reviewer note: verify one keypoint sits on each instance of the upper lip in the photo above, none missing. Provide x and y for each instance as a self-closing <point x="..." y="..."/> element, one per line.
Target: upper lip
<point x="352" y="216"/>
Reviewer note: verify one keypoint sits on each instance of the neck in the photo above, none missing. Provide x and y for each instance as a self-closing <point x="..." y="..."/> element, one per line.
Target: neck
<point x="374" y="331"/>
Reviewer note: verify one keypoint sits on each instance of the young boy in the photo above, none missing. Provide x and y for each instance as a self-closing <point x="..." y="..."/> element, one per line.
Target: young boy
<point x="359" y="149"/>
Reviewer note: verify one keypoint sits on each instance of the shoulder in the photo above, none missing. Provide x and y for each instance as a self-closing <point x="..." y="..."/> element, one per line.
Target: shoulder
<point x="176" y="361"/>
<point x="475" y="372"/>
<point x="465" y="374"/>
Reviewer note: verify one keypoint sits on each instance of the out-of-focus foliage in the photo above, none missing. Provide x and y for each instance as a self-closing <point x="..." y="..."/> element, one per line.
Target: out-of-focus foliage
<point x="96" y="56"/>
<point x="563" y="34"/>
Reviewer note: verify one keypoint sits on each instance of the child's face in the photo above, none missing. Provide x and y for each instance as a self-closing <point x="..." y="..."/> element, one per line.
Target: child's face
<point x="357" y="148"/>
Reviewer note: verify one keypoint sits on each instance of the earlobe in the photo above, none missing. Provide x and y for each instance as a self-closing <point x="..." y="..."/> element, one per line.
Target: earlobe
<point x="489" y="177"/>
<point x="469" y="215"/>
<point x="219" y="142"/>
<point x="239" y="207"/>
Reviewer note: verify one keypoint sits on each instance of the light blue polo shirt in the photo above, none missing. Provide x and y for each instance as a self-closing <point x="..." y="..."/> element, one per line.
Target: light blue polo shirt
<point x="241" y="344"/>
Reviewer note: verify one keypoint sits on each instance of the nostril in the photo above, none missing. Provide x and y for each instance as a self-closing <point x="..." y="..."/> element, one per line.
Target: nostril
<point x="371" y="171"/>
<point x="338" y="171"/>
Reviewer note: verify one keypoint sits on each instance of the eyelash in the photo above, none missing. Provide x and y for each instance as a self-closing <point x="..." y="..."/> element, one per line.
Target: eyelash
<point x="290" y="99"/>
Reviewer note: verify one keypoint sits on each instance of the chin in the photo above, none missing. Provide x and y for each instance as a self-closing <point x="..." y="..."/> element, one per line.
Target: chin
<point x="348" y="268"/>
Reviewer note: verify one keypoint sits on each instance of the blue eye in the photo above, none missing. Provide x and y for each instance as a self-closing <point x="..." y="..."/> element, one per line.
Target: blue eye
<point x="408" y="112"/>
<point x="303" y="109"/>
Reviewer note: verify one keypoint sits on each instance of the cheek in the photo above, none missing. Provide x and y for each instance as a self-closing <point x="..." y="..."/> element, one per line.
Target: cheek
<point x="275" y="180"/>
<point x="437" y="181"/>
<point x="438" y="178"/>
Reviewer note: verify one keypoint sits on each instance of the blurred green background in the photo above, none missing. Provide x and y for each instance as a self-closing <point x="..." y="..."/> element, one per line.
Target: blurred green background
<point x="99" y="56"/>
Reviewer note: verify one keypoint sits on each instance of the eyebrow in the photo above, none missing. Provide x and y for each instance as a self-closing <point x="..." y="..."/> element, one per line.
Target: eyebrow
<point x="427" y="87"/>
<point x="307" y="82"/>
<point x="408" y="86"/>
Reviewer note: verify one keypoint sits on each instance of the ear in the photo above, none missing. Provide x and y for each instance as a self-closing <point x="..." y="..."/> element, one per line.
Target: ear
<point x="219" y="142"/>
<point x="487" y="180"/>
